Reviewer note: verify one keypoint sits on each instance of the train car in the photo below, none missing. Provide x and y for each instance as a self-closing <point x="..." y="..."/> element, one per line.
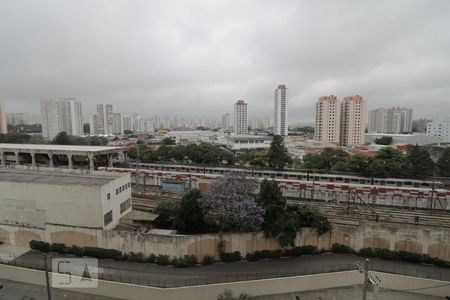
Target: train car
<point x="294" y="175"/>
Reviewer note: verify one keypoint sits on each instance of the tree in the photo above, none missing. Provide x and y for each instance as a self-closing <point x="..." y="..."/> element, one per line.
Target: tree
<point x="61" y="139"/>
<point x="419" y="163"/>
<point x="230" y="204"/>
<point x="168" y="211"/>
<point x="388" y="162"/>
<point x="443" y="164"/>
<point x="15" y="138"/>
<point x="271" y="199"/>
<point x="168" y="141"/>
<point x="385" y="140"/>
<point x="191" y="217"/>
<point x="87" y="128"/>
<point x="228" y="295"/>
<point x="359" y="163"/>
<point x="127" y="131"/>
<point x="278" y="154"/>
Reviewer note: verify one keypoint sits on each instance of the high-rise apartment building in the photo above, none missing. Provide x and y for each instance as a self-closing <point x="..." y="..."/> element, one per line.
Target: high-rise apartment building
<point x="440" y="127"/>
<point x="137" y="123"/>
<point x="117" y="123"/>
<point x="280" y="113"/>
<point x="328" y="114"/>
<point x="226" y="122"/>
<point x="338" y="122"/>
<point x="353" y="121"/>
<point x="127" y="125"/>
<point x="3" y="124"/>
<point x="104" y="122"/>
<point x="15" y="119"/>
<point x="420" y="125"/>
<point x="390" y="120"/>
<point x="240" y="117"/>
<point x="61" y="115"/>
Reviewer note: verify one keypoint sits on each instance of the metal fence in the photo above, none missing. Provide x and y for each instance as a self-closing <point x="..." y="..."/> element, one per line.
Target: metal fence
<point x="203" y="279"/>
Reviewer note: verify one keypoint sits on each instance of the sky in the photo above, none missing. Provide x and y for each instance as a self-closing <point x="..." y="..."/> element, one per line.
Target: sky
<point x="196" y="58"/>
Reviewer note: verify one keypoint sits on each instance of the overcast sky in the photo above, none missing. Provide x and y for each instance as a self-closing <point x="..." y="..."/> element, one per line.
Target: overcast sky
<point x="196" y="58"/>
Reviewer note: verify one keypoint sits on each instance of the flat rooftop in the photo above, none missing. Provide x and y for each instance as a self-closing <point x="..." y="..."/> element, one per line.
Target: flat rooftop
<point x="57" y="178"/>
<point x="68" y="148"/>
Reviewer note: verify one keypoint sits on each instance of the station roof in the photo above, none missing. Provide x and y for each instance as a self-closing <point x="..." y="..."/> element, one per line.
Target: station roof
<point x="56" y="178"/>
<point x="60" y="148"/>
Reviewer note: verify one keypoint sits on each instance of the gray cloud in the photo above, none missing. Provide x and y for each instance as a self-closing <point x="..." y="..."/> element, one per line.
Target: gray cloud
<point x="196" y="58"/>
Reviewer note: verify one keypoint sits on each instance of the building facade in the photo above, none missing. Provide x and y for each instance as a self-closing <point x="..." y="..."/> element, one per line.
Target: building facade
<point x="15" y="119"/>
<point x="353" y="121"/>
<point x="61" y="115"/>
<point x="420" y="125"/>
<point x="117" y="123"/>
<point x="390" y="120"/>
<point x="440" y="128"/>
<point x="327" y="124"/>
<point x="280" y="113"/>
<point x="3" y="123"/>
<point x="240" y="117"/>
<point x="226" y="122"/>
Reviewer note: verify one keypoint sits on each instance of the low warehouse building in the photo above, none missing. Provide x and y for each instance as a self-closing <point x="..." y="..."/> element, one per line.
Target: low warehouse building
<point x="33" y="201"/>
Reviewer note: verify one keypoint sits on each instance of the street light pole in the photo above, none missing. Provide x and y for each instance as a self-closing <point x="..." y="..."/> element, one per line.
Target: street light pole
<point x="366" y="279"/>
<point x="47" y="280"/>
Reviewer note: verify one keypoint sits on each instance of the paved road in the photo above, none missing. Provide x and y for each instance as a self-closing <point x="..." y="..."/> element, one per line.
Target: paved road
<point x="151" y="274"/>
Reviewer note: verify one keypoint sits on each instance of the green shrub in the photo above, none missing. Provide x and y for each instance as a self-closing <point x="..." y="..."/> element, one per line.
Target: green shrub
<point x="163" y="260"/>
<point x="207" y="260"/>
<point x="384" y="253"/>
<point x="305" y="250"/>
<point x="136" y="257"/>
<point x="409" y="256"/>
<point x="58" y="248"/>
<point x="151" y="259"/>
<point x="276" y="253"/>
<point x="253" y="256"/>
<point x="40" y="245"/>
<point x="266" y="254"/>
<point x="338" y="248"/>
<point x="191" y="259"/>
<point x="230" y="256"/>
<point x="102" y="253"/>
<point x="367" y="252"/>
<point x="75" y="250"/>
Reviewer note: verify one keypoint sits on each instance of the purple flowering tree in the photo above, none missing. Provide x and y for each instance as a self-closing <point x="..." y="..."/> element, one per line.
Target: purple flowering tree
<point x="230" y="204"/>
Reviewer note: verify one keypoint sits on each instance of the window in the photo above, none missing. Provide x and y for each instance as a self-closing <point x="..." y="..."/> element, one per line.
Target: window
<point x="117" y="191"/>
<point x="125" y="205"/>
<point x="108" y="196"/>
<point x="129" y="184"/>
<point x="107" y="218"/>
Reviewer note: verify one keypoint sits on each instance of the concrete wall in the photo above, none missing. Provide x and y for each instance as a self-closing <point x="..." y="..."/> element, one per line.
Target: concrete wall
<point x="419" y="239"/>
<point x="252" y="288"/>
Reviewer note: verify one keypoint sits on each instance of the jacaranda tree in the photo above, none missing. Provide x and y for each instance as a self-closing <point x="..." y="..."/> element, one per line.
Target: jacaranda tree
<point x="230" y="204"/>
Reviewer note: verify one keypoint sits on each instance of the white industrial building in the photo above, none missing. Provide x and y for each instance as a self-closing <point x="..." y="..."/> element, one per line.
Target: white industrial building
<point x="248" y="142"/>
<point x="60" y="206"/>
<point x="440" y="128"/>
<point x="412" y="139"/>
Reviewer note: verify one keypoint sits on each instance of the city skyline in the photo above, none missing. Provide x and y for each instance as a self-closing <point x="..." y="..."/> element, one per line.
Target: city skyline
<point x="130" y="56"/>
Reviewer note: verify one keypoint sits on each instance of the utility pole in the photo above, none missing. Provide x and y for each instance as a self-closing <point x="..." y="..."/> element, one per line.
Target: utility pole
<point x="366" y="279"/>
<point x="47" y="280"/>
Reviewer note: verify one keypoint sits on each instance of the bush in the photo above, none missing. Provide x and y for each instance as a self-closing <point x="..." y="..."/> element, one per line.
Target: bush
<point x="75" y="250"/>
<point x="39" y="245"/>
<point x="102" y="253"/>
<point x="151" y="259"/>
<point x="255" y="256"/>
<point x="207" y="260"/>
<point x="163" y="260"/>
<point x="338" y="248"/>
<point x="368" y="252"/>
<point x="305" y="250"/>
<point x="191" y="259"/>
<point x="266" y="254"/>
<point x="409" y="256"/>
<point x="58" y="248"/>
<point x="136" y="257"/>
<point x="231" y="256"/>
<point x="384" y="253"/>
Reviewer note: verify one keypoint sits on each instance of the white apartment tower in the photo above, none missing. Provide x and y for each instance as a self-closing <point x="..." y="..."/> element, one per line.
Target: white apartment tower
<point x="104" y="122"/>
<point x="353" y="121"/>
<point x="328" y="114"/>
<point x="440" y="127"/>
<point x="226" y="122"/>
<point x="240" y="117"/>
<point x="280" y="113"/>
<point x="61" y="115"/>
<point x="117" y="124"/>
<point x="3" y="124"/>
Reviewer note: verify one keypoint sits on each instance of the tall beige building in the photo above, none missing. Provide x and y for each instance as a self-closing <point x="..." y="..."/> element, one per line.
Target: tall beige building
<point x="339" y="122"/>
<point x="353" y="112"/>
<point x="3" y="125"/>
<point x="328" y="112"/>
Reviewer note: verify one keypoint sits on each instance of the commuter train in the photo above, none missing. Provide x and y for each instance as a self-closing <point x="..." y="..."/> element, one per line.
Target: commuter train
<point x="293" y="175"/>
<point x="332" y="188"/>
